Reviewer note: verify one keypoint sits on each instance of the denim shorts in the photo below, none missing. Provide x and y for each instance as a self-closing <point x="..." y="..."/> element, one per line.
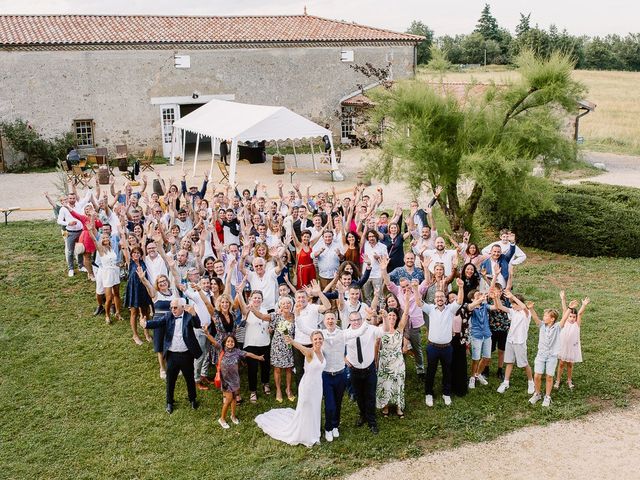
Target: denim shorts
<point x="545" y="365"/>
<point x="480" y="347"/>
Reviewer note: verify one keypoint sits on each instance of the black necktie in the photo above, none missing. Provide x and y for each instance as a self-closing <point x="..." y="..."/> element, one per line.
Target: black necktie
<point x="359" y="350"/>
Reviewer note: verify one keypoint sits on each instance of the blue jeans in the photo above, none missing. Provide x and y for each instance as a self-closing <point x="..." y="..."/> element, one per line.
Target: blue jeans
<point x="364" y="382"/>
<point x="72" y="238"/>
<point x="444" y="355"/>
<point x="333" y="390"/>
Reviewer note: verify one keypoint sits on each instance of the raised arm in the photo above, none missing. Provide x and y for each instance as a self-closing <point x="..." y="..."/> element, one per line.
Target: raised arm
<point x="405" y="311"/>
<point x="513" y="299"/>
<point x="497" y="303"/>
<point x="265" y="317"/>
<point x="317" y="291"/>
<point x="586" y="301"/>
<point x="210" y="337"/>
<point x="534" y="315"/>
<point x="384" y="263"/>
<point x="143" y="279"/>
<point x="460" y="299"/>
<point x="306" y="351"/>
<point x="240" y="298"/>
<point x="565" y="316"/>
<point x="563" y="300"/>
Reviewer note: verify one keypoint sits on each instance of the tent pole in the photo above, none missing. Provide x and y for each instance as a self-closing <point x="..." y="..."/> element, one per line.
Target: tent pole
<point x="195" y="157"/>
<point x="213" y="155"/>
<point x="277" y="147"/>
<point x="313" y="157"/>
<point x="173" y="144"/>
<point x="184" y="147"/>
<point x="233" y="162"/>
<point x="336" y="175"/>
<point x="295" y="157"/>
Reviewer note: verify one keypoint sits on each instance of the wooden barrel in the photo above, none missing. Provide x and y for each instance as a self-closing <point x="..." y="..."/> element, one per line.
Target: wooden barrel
<point x="277" y="164"/>
<point x="103" y="175"/>
<point x="363" y="179"/>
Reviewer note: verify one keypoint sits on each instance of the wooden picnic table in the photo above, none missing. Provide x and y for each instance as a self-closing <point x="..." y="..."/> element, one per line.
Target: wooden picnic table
<point x="7" y="212"/>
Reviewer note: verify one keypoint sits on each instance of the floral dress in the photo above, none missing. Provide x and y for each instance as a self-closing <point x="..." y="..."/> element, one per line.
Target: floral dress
<point x="229" y="369"/>
<point x="281" y="353"/>
<point x="391" y="371"/>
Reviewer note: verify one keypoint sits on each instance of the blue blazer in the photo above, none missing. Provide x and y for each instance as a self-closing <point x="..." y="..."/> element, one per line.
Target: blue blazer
<point x="503" y="261"/>
<point x="189" y="322"/>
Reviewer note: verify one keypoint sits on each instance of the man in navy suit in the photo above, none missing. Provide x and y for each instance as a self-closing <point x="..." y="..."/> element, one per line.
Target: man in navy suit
<point x="180" y="347"/>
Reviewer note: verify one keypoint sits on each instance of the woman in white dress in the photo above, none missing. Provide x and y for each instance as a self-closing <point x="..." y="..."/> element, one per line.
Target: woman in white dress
<point x="108" y="275"/>
<point x="302" y="425"/>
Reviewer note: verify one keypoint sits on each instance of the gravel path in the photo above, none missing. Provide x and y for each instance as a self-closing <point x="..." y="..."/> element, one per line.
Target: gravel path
<point x="621" y="169"/>
<point x="604" y="445"/>
<point x="26" y="190"/>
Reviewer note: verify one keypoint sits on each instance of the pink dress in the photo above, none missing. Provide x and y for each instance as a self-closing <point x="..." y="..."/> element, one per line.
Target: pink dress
<point x="570" y="350"/>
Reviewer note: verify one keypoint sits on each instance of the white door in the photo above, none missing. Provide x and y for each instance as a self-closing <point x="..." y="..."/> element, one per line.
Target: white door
<point x="168" y="115"/>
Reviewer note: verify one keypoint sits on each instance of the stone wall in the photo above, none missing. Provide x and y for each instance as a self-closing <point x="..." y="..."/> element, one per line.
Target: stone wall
<point x="114" y="87"/>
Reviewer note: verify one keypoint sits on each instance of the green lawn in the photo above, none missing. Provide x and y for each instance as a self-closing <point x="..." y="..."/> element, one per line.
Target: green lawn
<point x="79" y="400"/>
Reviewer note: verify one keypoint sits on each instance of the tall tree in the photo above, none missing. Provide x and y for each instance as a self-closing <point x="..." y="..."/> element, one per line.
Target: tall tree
<point x="480" y="147"/>
<point x="487" y="25"/>
<point x="419" y="28"/>
<point x="524" y="25"/>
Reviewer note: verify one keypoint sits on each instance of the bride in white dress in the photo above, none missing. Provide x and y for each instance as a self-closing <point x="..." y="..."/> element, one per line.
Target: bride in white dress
<point x="302" y="425"/>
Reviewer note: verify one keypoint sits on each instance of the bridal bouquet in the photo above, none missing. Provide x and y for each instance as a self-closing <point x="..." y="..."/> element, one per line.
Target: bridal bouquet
<point x="284" y="328"/>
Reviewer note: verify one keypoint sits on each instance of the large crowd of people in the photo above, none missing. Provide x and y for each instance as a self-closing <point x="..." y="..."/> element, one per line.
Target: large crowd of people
<point x="329" y="292"/>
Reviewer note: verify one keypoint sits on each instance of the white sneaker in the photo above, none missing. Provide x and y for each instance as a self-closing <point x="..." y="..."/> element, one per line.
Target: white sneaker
<point x="82" y="269"/>
<point x="428" y="399"/>
<point x="335" y="433"/>
<point x="163" y="374"/>
<point x="328" y="436"/>
<point x="71" y="273"/>
<point x="235" y="420"/>
<point x="547" y="401"/>
<point x="503" y="387"/>
<point x="482" y="380"/>
<point x="530" y="387"/>
<point x="472" y="382"/>
<point x="535" y="398"/>
<point x="223" y="424"/>
<point x="447" y="400"/>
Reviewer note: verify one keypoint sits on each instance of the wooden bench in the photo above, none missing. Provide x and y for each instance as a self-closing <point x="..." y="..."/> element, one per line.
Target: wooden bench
<point x="291" y="170"/>
<point x="7" y="212"/>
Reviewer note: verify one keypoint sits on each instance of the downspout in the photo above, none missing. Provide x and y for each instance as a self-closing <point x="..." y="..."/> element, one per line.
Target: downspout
<point x="577" y="125"/>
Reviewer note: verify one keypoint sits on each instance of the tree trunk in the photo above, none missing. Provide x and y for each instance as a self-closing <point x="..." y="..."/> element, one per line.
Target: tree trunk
<point x="451" y="207"/>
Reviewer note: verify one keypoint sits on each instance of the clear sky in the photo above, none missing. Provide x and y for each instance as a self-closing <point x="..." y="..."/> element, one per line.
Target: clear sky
<point x="445" y="16"/>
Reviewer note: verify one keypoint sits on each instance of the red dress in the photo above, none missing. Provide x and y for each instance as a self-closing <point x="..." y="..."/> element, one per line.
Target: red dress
<point x="85" y="238"/>
<point x="306" y="271"/>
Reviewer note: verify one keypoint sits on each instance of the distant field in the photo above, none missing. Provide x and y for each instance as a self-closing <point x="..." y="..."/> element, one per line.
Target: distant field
<point x="615" y="124"/>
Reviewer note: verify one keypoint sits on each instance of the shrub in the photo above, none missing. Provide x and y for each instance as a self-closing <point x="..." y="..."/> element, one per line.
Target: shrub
<point x="39" y="152"/>
<point x="590" y="220"/>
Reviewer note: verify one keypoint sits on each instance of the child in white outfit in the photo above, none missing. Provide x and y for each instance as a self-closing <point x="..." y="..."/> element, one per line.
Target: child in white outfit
<point x="547" y="357"/>
<point x="516" y="346"/>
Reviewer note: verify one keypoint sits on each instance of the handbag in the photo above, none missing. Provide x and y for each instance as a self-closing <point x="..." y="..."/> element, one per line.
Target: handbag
<point x="78" y="248"/>
<point x="217" y="381"/>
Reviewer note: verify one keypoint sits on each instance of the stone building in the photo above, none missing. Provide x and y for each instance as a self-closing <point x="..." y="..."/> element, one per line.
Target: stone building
<point x="126" y="79"/>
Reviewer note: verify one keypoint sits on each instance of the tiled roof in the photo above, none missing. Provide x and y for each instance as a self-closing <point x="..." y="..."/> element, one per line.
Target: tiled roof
<point x="358" y="100"/>
<point x="60" y="30"/>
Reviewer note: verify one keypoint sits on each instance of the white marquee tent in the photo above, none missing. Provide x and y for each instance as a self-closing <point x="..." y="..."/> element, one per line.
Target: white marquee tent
<point x="240" y="122"/>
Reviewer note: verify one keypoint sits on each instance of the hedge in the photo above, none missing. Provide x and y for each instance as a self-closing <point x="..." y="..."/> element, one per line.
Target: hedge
<point x="591" y="220"/>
